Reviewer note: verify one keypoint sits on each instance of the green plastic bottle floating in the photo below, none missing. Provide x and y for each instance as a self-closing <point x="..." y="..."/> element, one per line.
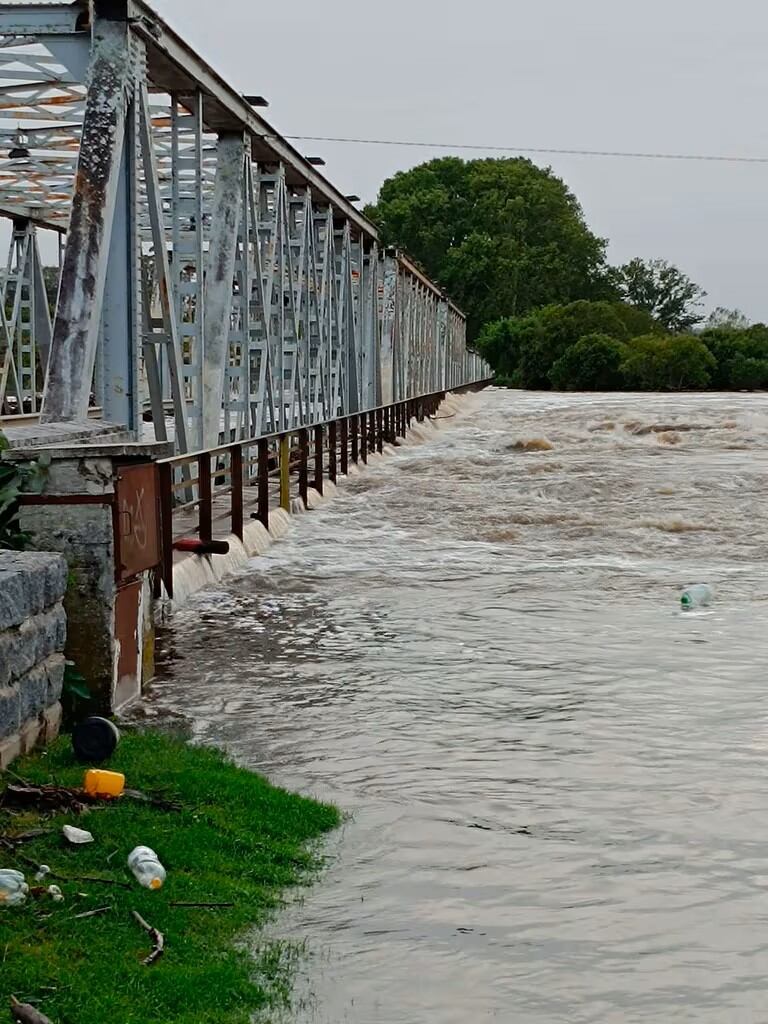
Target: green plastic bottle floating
<point x="698" y="596"/>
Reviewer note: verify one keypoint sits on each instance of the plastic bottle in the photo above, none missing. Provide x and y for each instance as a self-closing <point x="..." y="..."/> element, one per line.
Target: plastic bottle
<point x="697" y="596"/>
<point x="146" y="867"/>
<point x="98" y="782"/>
<point x="13" y="888"/>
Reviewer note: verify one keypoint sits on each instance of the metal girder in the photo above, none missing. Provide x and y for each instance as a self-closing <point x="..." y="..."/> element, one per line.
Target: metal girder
<point x="210" y="272"/>
<point x="173" y="354"/>
<point x="176" y="67"/>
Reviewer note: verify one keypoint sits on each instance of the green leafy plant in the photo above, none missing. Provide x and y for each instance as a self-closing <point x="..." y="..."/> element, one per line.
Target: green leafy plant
<point x="75" y="695"/>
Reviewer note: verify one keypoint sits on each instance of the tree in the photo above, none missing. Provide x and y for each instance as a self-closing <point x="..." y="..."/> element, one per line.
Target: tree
<point x="592" y="364"/>
<point x="503" y="237"/>
<point x="523" y="350"/>
<point x="673" y="363"/>
<point x="663" y="291"/>
<point x="730" y="318"/>
<point x="741" y="356"/>
<point x="502" y="342"/>
<point x="747" y="373"/>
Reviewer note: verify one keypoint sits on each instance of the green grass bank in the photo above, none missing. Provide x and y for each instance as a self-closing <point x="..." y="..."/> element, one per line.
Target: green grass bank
<point x="236" y="839"/>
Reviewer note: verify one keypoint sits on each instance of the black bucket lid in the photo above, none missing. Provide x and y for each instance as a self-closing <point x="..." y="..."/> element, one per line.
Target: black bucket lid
<point x="94" y="739"/>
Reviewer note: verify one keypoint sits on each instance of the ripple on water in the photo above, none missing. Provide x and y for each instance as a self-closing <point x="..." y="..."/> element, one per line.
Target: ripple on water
<point x="555" y="777"/>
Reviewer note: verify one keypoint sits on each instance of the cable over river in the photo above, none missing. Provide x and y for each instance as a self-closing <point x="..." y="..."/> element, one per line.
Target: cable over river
<point x="557" y="780"/>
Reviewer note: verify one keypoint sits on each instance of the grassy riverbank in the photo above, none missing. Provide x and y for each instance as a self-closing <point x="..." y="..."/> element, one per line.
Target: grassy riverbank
<point x="236" y="839"/>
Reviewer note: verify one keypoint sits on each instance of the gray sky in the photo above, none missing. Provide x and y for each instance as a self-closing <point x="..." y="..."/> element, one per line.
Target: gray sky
<point x="661" y="76"/>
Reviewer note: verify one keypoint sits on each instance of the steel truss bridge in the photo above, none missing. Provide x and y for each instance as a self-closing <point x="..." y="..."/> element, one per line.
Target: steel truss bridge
<point x="211" y="281"/>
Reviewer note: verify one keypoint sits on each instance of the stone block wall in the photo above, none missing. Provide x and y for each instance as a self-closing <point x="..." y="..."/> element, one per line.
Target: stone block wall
<point x="110" y="629"/>
<point x="33" y="629"/>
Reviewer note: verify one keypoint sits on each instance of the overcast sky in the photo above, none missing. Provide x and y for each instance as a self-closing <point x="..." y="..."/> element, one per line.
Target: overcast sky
<point x="661" y="75"/>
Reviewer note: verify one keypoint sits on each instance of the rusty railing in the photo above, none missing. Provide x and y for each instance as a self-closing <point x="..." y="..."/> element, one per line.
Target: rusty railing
<point x="223" y="487"/>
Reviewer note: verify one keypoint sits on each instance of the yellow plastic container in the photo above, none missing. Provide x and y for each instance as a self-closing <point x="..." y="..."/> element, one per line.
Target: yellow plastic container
<point x="101" y="783"/>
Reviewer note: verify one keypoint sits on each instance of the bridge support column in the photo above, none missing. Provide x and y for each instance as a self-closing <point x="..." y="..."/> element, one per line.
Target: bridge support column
<point x="99" y="179"/>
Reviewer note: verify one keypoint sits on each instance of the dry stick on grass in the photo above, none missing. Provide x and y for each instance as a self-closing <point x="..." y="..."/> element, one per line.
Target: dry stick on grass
<point x="74" y="878"/>
<point x="91" y="913"/>
<point x="180" y="903"/>
<point x="23" y="1013"/>
<point x="158" y="940"/>
<point x="23" y="837"/>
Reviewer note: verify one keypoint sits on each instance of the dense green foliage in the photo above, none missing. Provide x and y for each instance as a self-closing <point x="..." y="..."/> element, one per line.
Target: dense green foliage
<point x="592" y="364"/>
<point x="597" y="346"/>
<point x="502" y="236"/>
<point x="524" y="350"/>
<point x="741" y="355"/>
<point x="236" y="841"/>
<point x="669" y="363"/>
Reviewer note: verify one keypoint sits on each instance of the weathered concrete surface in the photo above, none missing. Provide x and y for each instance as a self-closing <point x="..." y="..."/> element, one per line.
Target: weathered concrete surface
<point x="32" y="638"/>
<point x="45" y="435"/>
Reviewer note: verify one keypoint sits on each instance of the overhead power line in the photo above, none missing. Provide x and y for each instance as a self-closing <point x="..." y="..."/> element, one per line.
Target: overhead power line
<point x="550" y="151"/>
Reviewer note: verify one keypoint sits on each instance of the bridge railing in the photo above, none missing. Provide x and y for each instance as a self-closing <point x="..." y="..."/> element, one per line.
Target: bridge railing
<point x="208" y="495"/>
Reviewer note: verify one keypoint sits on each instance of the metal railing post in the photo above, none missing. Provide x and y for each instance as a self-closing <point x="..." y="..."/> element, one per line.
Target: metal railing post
<point x="285" y="472"/>
<point x="236" y="494"/>
<point x="205" y="510"/>
<point x="345" y="446"/>
<point x="332" y="451"/>
<point x="166" y="525"/>
<point x="263" y="483"/>
<point x="319" y="439"/>
<point x="303" y="464"/>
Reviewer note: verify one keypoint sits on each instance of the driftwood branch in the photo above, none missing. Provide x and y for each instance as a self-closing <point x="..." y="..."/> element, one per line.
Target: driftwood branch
<point x="50" y="799"/>
<point x="23" y="1013"/>
<point x="158" y="940"/>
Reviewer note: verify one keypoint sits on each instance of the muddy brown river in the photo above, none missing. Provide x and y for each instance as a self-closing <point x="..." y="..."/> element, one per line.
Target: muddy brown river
<point x="557" y="782"/>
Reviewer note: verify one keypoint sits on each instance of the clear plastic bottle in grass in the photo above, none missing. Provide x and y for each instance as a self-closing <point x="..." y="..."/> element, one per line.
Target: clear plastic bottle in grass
<point x="146" y="867"/>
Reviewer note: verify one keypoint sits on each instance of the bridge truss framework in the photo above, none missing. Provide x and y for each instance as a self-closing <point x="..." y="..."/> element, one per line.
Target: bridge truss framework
<point x="211" y="279"/>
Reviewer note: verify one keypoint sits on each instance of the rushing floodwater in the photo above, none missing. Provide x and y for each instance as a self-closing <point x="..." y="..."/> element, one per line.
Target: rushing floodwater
<point x="558" y="782"/>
